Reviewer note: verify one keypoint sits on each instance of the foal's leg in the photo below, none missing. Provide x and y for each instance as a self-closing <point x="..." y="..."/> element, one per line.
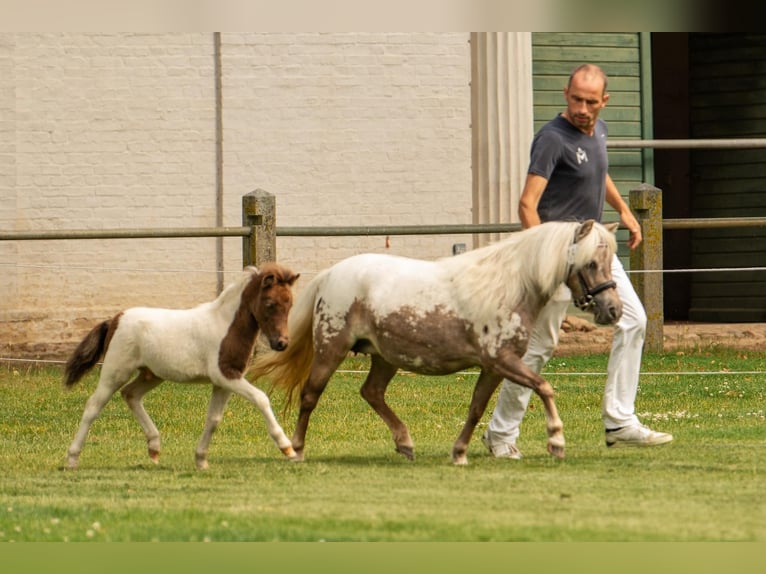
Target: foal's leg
<point x="482" y="391"/>
<point x="133" y="394"/>
<point x="374" y="392"/>
<point x="108" y="383"/>
<point x="256" y="396"/>
<point x="215" y="409"/>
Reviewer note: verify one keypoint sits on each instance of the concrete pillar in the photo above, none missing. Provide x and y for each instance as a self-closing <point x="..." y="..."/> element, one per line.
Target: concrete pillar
<point x="646" y="204"/>
<point x="501" y="124"/>
<point x="259" y="211"/>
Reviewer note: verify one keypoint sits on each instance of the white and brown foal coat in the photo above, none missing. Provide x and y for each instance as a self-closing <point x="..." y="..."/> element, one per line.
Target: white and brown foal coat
<point x="438" y="317"/>
<point x="212" y="342"/>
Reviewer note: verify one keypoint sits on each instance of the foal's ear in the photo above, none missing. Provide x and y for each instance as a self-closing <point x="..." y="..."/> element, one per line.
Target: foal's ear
<point x="584" y="229"/>
<point x="269" y="279"/>
<point x="612" y="227"/>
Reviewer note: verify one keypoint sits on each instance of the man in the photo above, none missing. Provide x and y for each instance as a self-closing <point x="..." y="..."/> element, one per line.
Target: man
<point x="568" y="180"/>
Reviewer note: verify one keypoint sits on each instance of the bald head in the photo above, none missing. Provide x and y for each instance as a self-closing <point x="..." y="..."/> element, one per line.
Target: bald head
<point x="588" y="73"/>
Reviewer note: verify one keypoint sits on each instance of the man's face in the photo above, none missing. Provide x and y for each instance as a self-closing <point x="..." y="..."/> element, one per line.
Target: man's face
<point x="585" y="98"/>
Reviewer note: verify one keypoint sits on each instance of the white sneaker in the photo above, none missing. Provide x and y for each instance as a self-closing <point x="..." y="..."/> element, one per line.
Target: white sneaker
<point x="501" y="449"/>
<point x="636" y="435"/>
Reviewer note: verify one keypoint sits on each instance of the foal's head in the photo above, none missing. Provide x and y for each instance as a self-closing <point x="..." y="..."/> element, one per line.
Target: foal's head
<point x="590" y="272"/>
<point x="270" y="302"/>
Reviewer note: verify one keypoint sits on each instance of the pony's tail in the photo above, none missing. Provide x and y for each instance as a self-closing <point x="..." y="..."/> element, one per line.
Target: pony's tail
<point x="87" y="354"/>
<point x="289" y="369"/>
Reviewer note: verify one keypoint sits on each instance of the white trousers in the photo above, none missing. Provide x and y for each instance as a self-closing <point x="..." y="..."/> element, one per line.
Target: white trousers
<point x="618" y="405"/>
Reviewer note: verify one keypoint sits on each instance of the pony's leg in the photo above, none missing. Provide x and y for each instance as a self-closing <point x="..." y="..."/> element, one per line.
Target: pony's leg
<point x="133" y="393"/>
<point x="482" y="391"/>
<point x="325" y="364"/>
<point x="374" y="392"/>
<point x="215" y="409"/>
<point x="516" y="371"/>
<point x="108" y="384"/>
<point x="256" y="396"/>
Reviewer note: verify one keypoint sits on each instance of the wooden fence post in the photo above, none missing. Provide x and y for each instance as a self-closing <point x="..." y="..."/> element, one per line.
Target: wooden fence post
<point x="259" y="213"/>
<point x="646" y="204"/>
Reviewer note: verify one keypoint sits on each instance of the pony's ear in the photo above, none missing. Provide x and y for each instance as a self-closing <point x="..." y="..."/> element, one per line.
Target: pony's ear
<point x="584" y="229"/>
<point x="293" y="278"/>
<point x="268" y="279"/>
<point x="612" y="227"/>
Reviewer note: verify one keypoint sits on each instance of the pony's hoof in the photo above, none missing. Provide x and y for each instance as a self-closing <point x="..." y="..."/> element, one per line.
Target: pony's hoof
<point x="461" y="460"/>
<point x="407" y="451"/>
<point x="154" y="456"/>
<point x="555" y="450"/>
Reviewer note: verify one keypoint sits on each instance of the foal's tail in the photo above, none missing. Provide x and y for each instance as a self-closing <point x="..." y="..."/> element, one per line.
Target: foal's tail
<point x="87" y="354"/>
<point x="289" y="369"/>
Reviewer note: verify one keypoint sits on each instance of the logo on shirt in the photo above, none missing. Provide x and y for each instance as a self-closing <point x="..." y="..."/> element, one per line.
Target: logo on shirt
<point x="581" y="156"/>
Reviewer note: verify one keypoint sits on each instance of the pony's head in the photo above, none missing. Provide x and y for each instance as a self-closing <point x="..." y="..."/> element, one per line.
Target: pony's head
<point x="589" y="275"/>
<point x="271" y="300"/>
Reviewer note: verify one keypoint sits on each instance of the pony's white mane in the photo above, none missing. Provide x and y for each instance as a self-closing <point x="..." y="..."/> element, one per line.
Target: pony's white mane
<point x="525" y="268"/>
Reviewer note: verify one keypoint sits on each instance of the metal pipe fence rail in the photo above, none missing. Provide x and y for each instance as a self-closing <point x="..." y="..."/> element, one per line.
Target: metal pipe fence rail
<point x="713" y="222"/>
<point x="126" y="233"/>
<point x="284" y="231"/>
<point x="446" y="229"/>
<point x="733" y="143"/>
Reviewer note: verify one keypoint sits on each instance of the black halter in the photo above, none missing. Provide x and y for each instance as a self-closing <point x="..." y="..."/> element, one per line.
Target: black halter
<point x="585" y="302"/>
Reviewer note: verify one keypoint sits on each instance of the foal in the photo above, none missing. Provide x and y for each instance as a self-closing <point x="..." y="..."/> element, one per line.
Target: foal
<point x="212" y="342"/>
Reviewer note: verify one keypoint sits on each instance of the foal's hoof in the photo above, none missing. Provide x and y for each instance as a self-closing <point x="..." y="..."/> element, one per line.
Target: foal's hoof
<point x="201" y="462"/>
<point x="289" y="452"/>
<point x="407" y="451"/>
<point x="555" y="450"/>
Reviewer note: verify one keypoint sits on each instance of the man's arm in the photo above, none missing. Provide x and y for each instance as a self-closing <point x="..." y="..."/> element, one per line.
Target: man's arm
<point x="534" y="186"/>
<point x="627" y="218"/>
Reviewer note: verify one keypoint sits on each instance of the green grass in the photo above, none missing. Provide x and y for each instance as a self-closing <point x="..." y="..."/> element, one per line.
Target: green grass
<point x="707" y="485"/>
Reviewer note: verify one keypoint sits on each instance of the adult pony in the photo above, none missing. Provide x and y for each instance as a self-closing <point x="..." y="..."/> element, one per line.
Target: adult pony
<point x="212" y="342"/>
<point x="435" y="318"/>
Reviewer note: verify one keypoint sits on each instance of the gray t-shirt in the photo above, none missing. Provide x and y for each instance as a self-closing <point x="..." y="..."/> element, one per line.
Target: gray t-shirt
<point x="575" y="165"/>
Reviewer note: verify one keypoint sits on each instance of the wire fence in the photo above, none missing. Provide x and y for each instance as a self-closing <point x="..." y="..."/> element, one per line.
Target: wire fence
<point x="546" y="373"/>
<point x="6" y="360"/>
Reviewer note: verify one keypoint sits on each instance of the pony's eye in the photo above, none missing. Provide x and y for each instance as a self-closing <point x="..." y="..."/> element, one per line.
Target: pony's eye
<point x="592" y="265"/>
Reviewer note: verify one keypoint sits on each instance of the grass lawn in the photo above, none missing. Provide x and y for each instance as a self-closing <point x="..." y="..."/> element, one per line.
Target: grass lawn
<point x="707" y="485"/>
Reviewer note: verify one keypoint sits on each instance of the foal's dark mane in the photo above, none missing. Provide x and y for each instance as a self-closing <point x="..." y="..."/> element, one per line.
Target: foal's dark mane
<point x="237" y="345"/>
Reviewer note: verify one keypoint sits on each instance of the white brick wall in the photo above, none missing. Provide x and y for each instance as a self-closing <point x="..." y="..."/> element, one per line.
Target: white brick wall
<point x="351" y="129"/>
<point x="102" y="131"/>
